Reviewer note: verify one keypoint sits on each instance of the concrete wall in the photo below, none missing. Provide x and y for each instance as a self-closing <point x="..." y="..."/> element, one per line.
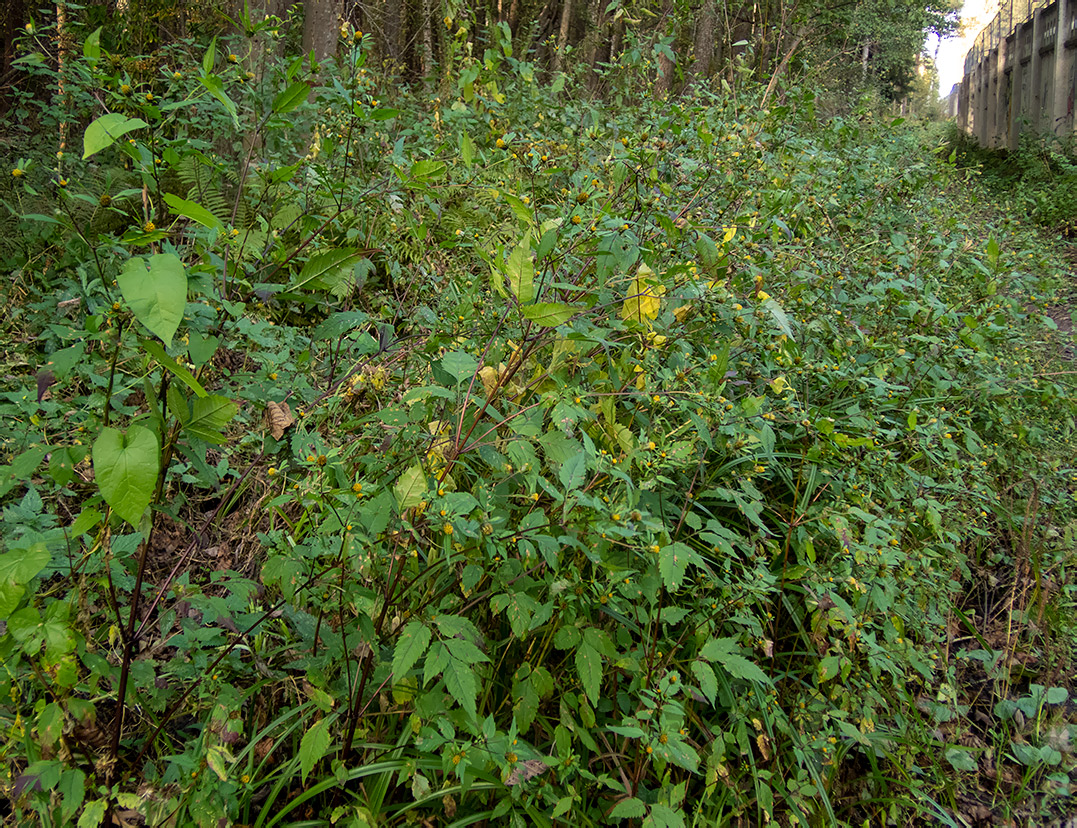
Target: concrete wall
<point x="1021" y="74"/>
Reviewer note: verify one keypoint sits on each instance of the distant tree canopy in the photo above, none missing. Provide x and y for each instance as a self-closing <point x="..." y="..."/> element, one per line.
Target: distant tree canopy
<point x="850" y="43"/>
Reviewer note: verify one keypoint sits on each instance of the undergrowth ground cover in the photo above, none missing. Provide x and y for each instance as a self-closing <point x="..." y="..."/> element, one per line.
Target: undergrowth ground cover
<point x="496" y="456"/>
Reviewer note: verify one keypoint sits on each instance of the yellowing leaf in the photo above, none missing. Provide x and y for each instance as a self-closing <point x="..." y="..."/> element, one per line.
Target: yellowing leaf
<point x="779" y="384"/>
<point x="642" y="301"/>
<point x="728" y="233"/>
<point x="683" y="312"/>
<point x="489" y="375"/>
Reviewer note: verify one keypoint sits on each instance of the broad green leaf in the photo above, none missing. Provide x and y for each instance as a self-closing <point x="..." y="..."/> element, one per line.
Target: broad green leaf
<point x="216" y="89"/>
<point x="210" y="57"/>
<point x="410" y="646"/>
<point x="158" y="353"/>
<point x="91" y="47"/>
<point x="383" y="114"/>
<point x="459" y="365"/>
<point x="467" y="149"/>
<point x="208" y="416"/>
<point x="589" y="666"/>
<point x="322" y="269"/>
<point x="520" y="271"/>
<point x="630" y="808"/>
<point x="428" y="168"/>
<point x="549" y="314"/>
<point x="156" y="292"/>
<point x="961" y="760"/>
<point x="104" y="132"/>
<point x="573" y="471"/>
<point x="126" y="467"/>
<point x="291" y="98"/>
<point x="410" y="488"/>
<point x="313" y="746"/>
<point x="740" y="667"/>
<point x="17" y="568"/>
<point x="192" y="211"/>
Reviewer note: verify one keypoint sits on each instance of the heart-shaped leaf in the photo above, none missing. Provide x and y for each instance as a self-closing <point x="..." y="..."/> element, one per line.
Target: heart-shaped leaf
<point x="125" y="467"/>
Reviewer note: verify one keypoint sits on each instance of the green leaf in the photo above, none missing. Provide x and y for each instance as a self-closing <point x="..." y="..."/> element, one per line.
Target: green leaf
<point x="780" y="317"/>
<point x="291" y="98"/>
<point x="192" y="211"/>
<point x="17" y="568"/>
<point x="708" y="684"/>
<point x="208" y="416"/>
<point x="218" y="758"/>
<point x="673" y="560"/>
<point x="630" y="808"/>
<point x="323" y="269"/>
<point x="126" y="467"/>
<point x="210" y="57"/>
<point x="461" y="683"/>
<point x="662" y="816"/>
<point x="549" y="314"/>
<point x="467" y="149"/>
<point x="961" y="760"/>
<point x="91" y="47"/>
<point x="589" y="666"/>
<point x="106" y="130"/>
<point x="459" y="365"/>
<point x="313" y="746"/>
<point x="93" y="814"/>
<point x="156" y="292"/>
<point x="573" y="471"/>
<point x="428" y="168"/>
<point x="410" y="488"/>
<point x="216" y="89"/>
<point x="724" y="651"/>
<point x="383" y="114"/>
<point x="157" y="352"/>
<point x="521" y="271"/>
<point x="410" y="646"/>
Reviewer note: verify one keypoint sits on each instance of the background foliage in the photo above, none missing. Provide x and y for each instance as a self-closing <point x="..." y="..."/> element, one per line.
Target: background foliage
<point x="376" y="457"/>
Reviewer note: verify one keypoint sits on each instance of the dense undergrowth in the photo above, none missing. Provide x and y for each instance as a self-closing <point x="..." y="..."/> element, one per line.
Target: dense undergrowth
<point x="500" y="456"/>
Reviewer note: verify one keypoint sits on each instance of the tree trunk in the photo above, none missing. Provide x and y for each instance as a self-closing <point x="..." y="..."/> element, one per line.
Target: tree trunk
<point x="321" y="28"/>
<point x="425" y="27"/>
<point x="704" y="61"/>
<point x="394" y="31"/>
<point x="562" y="36"/>
<point x="664" y="82"/>
<point x="865" y="53"/>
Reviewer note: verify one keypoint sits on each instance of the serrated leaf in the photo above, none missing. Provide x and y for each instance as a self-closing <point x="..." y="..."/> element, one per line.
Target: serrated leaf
<point x="462" y="685"/>
<point x="156" y="292"/>
<point x="313" y="746"/>
<point x="410" y="488"/>
<point x="126" y="467"/>
<point x="573" y="471"/>
<point x="589" y="667"/>
<point x="673" y="560"/>
<point x="780" y="317"/>
<point x="549" y="314"/>
<point x="459" y="365"/>
<point x="194" y="212"/>
<point x="630" y="808"/>
<point x="103" y="132"/>
<point x="208" y="416"/>
<point x="93" y="814"/>
<point x="708" y="683"/>
<point x="291" y="98"/>
<point x="520" y="271"/>
<point x="428" y="168"/>
<point x="323" y="269"/>
<point x="218" y="758"/>
<point x="410" y="646"/>
<point x="961" y="760"/>
<point x="740" y="667"/>
<point x="662" y="816"/>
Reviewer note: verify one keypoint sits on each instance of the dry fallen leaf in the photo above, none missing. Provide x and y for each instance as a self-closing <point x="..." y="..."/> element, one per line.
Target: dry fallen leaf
<point x="280" y="418"/>
<point x="527" y="769"/>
